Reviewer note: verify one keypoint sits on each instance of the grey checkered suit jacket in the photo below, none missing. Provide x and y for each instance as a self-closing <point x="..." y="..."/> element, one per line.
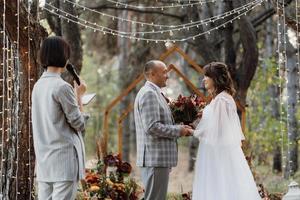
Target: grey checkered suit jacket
<point x="156" y="133"/>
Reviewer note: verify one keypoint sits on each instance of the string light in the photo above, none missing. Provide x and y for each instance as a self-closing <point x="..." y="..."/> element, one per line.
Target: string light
<point x="186" y="26"/>
<point x="29" y="96"/>
<point x="282" y="61"/>
<point x="18" y="96"/>
<point x="280" y="70"/>
<point x="3" y="92"/>
<point x="151" y="39"/>
<point x="150" y="24"/>
<point x="284" y="33"/>
<point x="297" y="46"/>
<point x="9" y="101"/>
<point x="8" y="72"/>
<point x="8" y="110"/>
<point x="173" y="5"/>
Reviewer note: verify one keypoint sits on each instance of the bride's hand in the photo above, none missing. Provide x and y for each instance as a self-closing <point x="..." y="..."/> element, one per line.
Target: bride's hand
<point x="195" y="123"/>
<point x="199" y="115"/>
<point x="193" y="126"/>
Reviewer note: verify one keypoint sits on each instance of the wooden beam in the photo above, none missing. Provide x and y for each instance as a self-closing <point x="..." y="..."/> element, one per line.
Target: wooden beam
<point x="167" y="53"/>
<point x="194" y="65"/>
<point x="112" y="104"/>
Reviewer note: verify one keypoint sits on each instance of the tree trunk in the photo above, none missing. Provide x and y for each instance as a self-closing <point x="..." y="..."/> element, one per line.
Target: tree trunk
<point x="207" y="53"/>
<point x="20" y="70"/>
<point x="273" y="91"/>
<point x="54" y="21"/>
<point x="229" y="44"/>
<point x="246" y="71"/>
<point x="277" y="157"/>
<point x="124" y="73"/>
<point x="292" y="88"/>
<point x="70" y="31"/>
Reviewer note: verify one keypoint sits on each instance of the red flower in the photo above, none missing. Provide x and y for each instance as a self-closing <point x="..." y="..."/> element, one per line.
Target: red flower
<point x="186" y="196"/>
<point x="111" y="160"/>
<point x="124" y="168"/>
<point x="187" y="109"/>
<point x="178" y="104"/>
<point x="92" y="178"/>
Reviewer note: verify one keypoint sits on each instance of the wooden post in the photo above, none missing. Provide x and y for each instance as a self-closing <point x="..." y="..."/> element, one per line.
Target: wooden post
<point x="112" y="104"/>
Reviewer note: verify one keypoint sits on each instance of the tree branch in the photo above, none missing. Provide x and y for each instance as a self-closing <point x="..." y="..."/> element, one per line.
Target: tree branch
<point x="262" y="17"/>
<point x="246" y="71"/>
<point x="290" y="22"/>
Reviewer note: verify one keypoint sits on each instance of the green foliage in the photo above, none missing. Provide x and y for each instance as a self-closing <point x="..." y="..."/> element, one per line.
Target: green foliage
<point x="263" y="129"/>
<point x="275" y="183"/>
<point x="103" y="80"/>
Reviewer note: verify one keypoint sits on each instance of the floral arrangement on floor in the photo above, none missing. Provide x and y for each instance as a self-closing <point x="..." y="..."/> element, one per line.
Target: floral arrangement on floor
<point x="264" y="194"/>
<point x="186" y="196"/>
<point x="110" y="181"/>
<point x="187" y="109"/>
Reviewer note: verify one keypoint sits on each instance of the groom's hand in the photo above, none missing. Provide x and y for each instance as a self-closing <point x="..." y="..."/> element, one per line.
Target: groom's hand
<point x="186" y="131"/>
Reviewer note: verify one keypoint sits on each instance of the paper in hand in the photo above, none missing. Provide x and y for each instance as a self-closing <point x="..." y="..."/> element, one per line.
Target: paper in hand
<point x="87" y="98"/>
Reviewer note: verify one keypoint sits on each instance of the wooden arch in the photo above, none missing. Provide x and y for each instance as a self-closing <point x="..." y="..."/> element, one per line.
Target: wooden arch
<point x="124" y="114"/>
<point x="125" y="92"/>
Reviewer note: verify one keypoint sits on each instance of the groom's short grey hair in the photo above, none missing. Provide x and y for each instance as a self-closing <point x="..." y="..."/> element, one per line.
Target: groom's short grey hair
<point x="150" y="65"/>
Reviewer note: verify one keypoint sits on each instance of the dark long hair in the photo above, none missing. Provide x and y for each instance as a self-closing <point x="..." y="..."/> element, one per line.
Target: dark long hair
<point x="221" y="77"/>
<point x="55" y="51"/>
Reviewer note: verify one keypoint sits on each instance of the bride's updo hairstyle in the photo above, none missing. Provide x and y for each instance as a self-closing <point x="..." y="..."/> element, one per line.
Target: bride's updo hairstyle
<point x="220" y="75"/>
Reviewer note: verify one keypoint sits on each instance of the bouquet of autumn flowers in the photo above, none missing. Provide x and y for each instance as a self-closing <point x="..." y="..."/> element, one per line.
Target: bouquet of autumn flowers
<point x="110" y="181"/>
<point x="187" y="109"/>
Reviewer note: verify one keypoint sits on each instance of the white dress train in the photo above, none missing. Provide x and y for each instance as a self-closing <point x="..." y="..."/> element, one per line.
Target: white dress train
<point x="222" y="172"/>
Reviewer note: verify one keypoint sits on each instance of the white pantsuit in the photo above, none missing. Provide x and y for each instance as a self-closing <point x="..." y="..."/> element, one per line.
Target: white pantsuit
<point x="58" y="125"/>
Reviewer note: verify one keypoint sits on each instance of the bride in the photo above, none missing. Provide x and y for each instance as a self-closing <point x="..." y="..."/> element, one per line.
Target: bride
<point x="222" y="172"/>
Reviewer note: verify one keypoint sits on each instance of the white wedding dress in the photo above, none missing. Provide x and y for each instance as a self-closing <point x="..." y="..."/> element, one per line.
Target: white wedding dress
<point x="222" y="172"/>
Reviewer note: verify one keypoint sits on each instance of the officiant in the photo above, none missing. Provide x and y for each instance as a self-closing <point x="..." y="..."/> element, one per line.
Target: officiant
<point x="58" y="124"/>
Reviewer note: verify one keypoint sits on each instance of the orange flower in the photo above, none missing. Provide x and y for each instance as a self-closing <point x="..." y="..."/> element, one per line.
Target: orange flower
<point x="94" y="188"/>
<point x="92" y="178"/>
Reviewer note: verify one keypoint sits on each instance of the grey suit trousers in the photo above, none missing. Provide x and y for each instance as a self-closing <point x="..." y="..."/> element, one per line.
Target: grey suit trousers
<point x="64" y="190"/>
<point x="155" y="180"/>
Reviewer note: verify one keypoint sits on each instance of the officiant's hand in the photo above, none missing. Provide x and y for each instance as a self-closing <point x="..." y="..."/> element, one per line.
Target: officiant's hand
<point x="80" y="89"/>
<point x="186" y="131"/>
<point x="79" y="92"/>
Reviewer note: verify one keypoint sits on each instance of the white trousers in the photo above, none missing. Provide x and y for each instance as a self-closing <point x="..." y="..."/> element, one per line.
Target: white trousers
<point x="65" y="190"/>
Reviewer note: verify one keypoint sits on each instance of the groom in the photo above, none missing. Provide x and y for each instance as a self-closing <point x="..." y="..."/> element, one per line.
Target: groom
<point x="156" y="133"/>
